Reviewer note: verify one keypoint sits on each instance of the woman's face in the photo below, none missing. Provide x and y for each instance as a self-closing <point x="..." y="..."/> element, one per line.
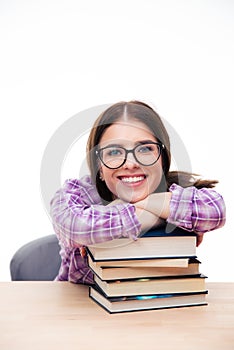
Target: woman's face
<point x="131" y="182"/>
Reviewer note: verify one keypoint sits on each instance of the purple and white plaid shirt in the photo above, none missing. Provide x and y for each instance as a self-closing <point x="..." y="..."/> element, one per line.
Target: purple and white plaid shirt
<point x="80" y="219"/>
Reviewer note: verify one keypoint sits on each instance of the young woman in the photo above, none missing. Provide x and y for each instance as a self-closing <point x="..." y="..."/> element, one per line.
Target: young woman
<point x="130" y="189"/>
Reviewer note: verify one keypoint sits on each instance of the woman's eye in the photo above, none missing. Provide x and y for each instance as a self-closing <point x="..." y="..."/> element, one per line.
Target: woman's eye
<point x="145" y="149"/>
<point x="114" y="152"/>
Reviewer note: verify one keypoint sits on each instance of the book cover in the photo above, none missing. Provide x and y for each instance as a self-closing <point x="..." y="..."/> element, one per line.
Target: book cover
<point x="153" y="244"/>
<point x="146" y="302"/>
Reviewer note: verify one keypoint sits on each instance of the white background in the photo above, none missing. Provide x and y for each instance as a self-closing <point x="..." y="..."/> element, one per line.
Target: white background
<point x="61" y="57"/>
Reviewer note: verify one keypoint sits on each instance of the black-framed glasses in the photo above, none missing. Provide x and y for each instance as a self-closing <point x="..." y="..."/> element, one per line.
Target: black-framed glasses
<point x="114" y="156"/>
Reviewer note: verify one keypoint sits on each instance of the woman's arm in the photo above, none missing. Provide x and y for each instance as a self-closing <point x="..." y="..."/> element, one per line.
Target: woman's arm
<point x="79" y="218"/>
<point x="198" y="210"/>
<point x="146" y="219"/>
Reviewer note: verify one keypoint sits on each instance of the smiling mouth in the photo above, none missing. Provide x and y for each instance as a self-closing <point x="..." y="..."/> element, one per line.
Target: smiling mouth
<point x="132" y="179"/>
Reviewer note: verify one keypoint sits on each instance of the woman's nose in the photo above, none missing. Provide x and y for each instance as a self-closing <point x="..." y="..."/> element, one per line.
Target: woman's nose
<point x="131" y="162"/>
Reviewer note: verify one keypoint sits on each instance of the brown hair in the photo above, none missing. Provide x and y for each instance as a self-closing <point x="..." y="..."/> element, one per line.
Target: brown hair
<point x="142" y="112"/>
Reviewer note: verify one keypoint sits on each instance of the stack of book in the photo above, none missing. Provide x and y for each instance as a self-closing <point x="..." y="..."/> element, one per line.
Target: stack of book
<point x="159" y="270"/>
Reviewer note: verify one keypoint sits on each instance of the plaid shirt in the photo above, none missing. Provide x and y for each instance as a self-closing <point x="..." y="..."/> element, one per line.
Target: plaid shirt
<point x="80" y="219"/>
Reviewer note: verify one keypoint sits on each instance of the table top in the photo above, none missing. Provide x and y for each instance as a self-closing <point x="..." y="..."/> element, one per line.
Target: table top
<point x="56" y="315"/>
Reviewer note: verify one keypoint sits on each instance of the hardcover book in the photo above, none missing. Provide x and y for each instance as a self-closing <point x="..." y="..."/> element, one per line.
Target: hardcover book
<point x="153" y="244"/>
<point x="114" y="272"/>
<point x="146" y="302"/>
<point x="148" y="286"/>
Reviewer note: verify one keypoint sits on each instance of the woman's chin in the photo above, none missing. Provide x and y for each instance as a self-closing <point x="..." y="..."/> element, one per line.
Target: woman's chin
<point x="134" y="198"/>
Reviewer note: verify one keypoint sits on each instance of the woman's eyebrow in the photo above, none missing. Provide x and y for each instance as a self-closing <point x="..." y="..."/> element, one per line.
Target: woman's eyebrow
<point x="113" y="145"/>
<point x="143" y="142"/>
<point x="140" y="142"/>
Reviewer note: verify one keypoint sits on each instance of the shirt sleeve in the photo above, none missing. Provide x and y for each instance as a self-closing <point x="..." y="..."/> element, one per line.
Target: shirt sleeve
<point x="198" y="210"/>
<point x="79" y="218"/>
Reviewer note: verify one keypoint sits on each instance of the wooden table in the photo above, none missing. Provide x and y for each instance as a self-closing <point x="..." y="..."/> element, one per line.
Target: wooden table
<point x="60" y="315"/>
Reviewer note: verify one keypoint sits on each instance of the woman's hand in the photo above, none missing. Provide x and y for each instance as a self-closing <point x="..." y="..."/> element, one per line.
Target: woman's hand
<point x="147" y="219"/>
<point x="199" y="238"/>
<point x="151" y="211"/>
<point x="156" y="203"/>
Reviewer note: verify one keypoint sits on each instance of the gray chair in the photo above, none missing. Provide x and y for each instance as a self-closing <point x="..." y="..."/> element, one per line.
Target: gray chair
<point x="38" y="260"/>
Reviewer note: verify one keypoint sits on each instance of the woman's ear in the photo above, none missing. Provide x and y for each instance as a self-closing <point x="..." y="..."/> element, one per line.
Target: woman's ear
<point x="101" y="177"/>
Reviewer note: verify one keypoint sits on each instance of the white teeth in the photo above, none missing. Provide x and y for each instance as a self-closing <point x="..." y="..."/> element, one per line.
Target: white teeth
<point x="132" y="179"/>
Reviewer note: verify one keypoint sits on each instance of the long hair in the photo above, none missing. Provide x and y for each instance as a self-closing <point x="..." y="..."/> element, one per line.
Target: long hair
<point x="137" y="110"/>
